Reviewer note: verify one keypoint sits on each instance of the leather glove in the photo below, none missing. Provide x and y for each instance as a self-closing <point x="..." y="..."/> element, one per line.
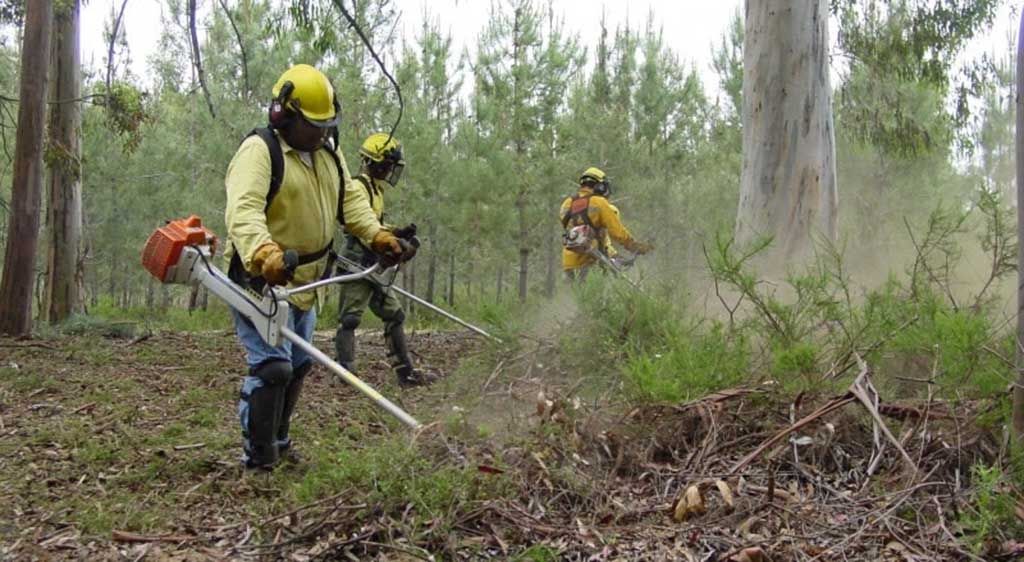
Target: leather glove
<point x="642" y="247"/>
<point x="385" y="243"/>
<point x="269" y="261"/>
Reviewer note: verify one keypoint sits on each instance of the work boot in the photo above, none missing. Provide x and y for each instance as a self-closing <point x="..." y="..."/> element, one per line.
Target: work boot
<point x="401" y="362"/>
<point x="409" y="377"/>
<point x="345" y="342"/>
<point x="289" y="454"/>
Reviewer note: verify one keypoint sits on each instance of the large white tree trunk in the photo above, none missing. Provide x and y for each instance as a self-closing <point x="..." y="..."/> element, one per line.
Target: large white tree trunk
<point x="64" y="212"/>
<point x="788" y="189"/>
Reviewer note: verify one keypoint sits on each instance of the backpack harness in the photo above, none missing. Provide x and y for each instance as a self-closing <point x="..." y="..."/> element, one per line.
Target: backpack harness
<point x="580" y="232"/>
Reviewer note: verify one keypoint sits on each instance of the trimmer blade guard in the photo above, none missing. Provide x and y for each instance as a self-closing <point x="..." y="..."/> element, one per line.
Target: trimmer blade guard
<point x="163" y="249"/>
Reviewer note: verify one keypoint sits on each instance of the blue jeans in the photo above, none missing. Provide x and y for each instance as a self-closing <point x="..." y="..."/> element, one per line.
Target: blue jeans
<point x="302" y="322"/>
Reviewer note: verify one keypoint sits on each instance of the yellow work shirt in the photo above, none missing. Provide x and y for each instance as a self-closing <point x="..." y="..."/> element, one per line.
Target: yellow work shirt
<point x="364" y="208"/>
<point x="301" y="216"/>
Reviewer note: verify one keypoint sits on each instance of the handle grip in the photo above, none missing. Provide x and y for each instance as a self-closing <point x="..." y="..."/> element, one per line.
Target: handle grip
<point x="291" y="262"/>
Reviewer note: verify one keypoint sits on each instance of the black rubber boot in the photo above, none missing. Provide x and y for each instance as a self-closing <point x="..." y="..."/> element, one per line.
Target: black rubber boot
<point x="401" y="362"/>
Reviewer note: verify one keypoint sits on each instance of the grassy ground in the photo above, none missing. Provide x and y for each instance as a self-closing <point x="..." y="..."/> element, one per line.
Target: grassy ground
<point x="550" y="447"/>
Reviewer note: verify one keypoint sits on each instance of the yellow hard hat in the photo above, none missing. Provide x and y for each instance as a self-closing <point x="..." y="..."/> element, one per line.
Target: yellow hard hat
<point x="309" y="93"/>
<point x="382" y="155"/>
<point x="597" y="178"/>
<point x="593" y="174"/>
<point x="377" y="147"/>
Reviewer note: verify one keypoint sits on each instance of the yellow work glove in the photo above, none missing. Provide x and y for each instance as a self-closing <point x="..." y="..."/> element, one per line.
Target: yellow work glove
<point x="386" y="244"/>
<point x="269" y="261"/>
<point x="641" y="247"/>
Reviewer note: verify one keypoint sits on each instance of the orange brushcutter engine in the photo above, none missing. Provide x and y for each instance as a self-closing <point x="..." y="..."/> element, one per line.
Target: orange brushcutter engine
<point x="163" y="249"/>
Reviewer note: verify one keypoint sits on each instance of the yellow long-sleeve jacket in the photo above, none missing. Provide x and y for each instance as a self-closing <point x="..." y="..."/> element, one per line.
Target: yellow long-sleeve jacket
<point x="604" y="217"/>
<point x="301" y="216"/>
<point x="364" y="208"/>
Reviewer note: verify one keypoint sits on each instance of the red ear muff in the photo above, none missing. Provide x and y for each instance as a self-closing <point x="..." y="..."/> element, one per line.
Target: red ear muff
<point x="278" y="114"/>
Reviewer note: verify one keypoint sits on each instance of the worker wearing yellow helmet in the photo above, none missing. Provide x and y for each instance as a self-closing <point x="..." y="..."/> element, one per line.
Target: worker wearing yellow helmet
<point x="590" y="222"/>
<point x="283" y="187"/>
<point x="365" y="229"/>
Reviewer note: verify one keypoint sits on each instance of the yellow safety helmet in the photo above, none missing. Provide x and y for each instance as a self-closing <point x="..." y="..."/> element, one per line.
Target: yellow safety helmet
<point x="594" y="174"/>
<point x="380" y="146"/>
<point x="305" y="90"/>
<point x="597" y="178"/>
<point x="382" y="155"/>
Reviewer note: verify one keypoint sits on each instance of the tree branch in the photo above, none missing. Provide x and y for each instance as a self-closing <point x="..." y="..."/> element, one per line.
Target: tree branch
<point x="241" y="47"/>
<point x="113" y="39"/>
<point x="196" y="57"/>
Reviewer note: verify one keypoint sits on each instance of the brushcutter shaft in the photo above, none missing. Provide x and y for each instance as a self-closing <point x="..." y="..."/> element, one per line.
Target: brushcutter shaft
<point x="443" y="312"/>
<point x="351" y="379"/>
<point x="357" y="268"/>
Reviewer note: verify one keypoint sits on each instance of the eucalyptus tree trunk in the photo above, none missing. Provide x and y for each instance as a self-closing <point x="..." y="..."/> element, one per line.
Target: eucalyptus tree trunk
<point x="1018" y="389"/>
<point x="788" y="186"/>
<point x="23" y="230"/>
<point x="64" y="212"/>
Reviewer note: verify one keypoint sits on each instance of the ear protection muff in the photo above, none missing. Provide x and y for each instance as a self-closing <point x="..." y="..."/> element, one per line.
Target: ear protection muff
<point x="279" y="115"/>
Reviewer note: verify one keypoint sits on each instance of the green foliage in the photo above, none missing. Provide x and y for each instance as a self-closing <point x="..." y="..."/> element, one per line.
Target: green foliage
<point x="538" y="553"/>
<point x="992" y="515"/>
<point x="901" y="61"/>
<point x="727" y="60"/>
<point x="813" y="327"/>
<point x="127" y="111"/>
<point x="664" y="355"/>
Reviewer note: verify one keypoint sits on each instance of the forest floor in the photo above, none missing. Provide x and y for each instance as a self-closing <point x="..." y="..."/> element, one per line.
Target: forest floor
<point x="128" y="449"/>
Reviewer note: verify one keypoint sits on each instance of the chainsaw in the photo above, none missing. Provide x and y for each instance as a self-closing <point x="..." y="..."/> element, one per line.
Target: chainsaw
<point x="181" y="252"/>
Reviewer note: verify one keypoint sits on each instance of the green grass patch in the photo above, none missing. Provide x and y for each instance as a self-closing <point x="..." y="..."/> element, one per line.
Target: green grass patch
<point x="649" y="340"/>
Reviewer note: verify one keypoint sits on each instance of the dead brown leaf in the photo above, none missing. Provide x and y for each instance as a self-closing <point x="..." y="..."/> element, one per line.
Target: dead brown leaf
<point x="690" y="504"/>
<point x="723" y="488"/>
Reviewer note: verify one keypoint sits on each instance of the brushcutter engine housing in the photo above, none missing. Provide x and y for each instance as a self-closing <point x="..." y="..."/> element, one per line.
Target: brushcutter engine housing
<point x="579" y="239"/>
<point x="163" y="251"/>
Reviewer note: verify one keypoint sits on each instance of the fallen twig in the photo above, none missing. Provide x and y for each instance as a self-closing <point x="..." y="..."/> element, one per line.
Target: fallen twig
<point x="860" y="389"/>
<point x="125" y="536"/>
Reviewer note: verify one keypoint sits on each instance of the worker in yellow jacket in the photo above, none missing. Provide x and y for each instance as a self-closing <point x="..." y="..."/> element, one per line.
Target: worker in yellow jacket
<point x="382" y="166"/>
<point x="590" y="222"/>
<point x="283" y="191"/>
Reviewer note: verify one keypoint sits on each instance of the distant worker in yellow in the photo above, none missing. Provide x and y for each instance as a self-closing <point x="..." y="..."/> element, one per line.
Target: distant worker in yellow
<point x="590" y="222"/>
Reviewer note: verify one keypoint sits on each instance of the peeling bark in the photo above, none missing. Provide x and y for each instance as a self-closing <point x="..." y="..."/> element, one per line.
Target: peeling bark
<point x="788" y="187"/>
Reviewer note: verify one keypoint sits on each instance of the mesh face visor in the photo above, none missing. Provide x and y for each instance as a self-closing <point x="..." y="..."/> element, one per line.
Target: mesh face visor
<point x="396" y="172"/>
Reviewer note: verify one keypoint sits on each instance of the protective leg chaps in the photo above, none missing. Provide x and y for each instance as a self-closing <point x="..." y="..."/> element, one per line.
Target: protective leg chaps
<point x="260" y="411"/>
